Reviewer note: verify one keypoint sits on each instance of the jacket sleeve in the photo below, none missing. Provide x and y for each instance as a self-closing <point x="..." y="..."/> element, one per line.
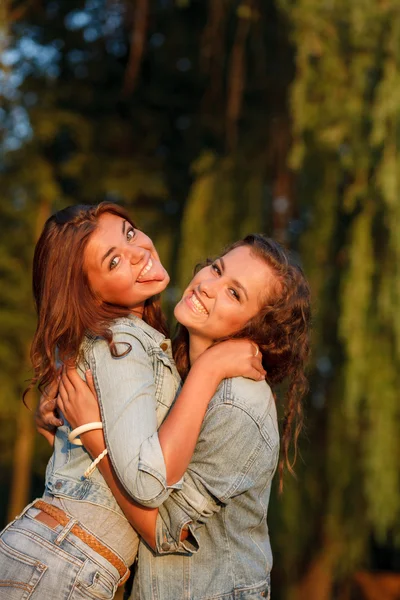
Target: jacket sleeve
<point x="126" y="390"/>
<point x="229" y="457"/>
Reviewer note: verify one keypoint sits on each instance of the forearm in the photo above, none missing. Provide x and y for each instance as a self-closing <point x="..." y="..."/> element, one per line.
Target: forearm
<point x="142" y="519"/>
<point x="179" y="432"/>
<point x="177" y="435"/>
<point x="49" y="436"/>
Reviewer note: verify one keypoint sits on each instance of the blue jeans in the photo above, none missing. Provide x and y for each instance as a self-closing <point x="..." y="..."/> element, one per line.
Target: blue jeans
<point x="40" y="563"/>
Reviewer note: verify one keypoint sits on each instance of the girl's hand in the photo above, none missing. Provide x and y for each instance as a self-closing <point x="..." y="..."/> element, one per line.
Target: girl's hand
<point x="234" y="358"/>
<point x="76" y="399"/>
<point x="46" y="415"/>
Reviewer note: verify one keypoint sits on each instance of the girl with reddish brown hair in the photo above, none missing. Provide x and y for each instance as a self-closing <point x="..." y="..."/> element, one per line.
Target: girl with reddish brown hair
<point x="210" y="539"/>
<point x="96" y="278"/>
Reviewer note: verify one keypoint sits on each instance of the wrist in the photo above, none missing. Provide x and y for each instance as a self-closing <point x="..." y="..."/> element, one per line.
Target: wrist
<point x="207" y="364"/>
<point x="93" y="441"/>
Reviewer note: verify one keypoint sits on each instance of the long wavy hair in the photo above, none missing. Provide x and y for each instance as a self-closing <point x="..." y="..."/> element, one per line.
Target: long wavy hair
<point x="281" y="329"/>
<point x="66" y="306"/>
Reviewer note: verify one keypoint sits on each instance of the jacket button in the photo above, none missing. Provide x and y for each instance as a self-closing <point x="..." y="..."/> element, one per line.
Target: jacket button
<point x="58" y="485"/>
<point x="164" y="346"/>
<point x="165" y="546"/>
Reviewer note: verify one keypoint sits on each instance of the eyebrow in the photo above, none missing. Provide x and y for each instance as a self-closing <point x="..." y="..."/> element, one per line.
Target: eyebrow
<point x="108" y="254"/>
<point x="234" y="281"/>
<point x="113" y="248"/>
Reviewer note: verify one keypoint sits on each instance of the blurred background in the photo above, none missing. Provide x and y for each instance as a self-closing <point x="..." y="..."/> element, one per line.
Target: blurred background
<point x="209" y="119"/>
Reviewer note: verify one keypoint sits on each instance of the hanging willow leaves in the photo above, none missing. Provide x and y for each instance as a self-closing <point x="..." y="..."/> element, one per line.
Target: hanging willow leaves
<point x="346" y="111"/>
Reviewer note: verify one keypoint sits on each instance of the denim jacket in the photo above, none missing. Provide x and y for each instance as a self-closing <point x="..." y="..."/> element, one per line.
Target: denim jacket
<point x="223" y="502"/>
<point x="135" y="393"/>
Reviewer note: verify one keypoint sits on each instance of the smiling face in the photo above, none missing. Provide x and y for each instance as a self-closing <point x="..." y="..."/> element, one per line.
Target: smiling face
<point x="122" y="264"/>
<point x="224" y="296"/>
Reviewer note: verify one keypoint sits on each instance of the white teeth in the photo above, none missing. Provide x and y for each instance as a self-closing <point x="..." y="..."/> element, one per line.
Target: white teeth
<point x="198" y="305"/>
<point x="145" y="269"/>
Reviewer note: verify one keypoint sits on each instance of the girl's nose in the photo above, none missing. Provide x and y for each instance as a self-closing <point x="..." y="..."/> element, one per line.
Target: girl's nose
<point x="208" y="287"/>
<point x="136" y="254"/>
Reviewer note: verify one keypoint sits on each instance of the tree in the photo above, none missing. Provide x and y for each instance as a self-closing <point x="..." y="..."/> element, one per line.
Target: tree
<point x="345" y="151"/>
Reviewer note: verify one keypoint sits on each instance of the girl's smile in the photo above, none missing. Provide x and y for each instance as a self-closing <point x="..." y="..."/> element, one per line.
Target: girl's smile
<point x="123" y="265"/>
<point x="224" y="296"/>
<point x="195" y="304"/>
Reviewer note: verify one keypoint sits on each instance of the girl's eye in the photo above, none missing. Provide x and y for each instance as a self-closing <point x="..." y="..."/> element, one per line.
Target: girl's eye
<point x="234" y="293"/>
<point x="216" y="268"/>
<point x="130" y="234"/>
<point x="114" y="262"/>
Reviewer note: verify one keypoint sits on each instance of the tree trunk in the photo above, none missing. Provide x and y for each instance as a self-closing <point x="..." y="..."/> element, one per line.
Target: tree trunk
<point x="22" y="464"/>
<point x="23" y="451"/>
<point x="317" y="582"/>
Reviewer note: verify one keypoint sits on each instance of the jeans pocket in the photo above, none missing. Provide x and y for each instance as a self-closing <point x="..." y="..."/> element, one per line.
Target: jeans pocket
<point x="94" y="582"/>
<point x="19" y="573"/>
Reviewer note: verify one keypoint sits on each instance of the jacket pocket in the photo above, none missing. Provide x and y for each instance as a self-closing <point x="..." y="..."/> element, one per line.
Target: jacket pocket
<point x="19" y="573"/>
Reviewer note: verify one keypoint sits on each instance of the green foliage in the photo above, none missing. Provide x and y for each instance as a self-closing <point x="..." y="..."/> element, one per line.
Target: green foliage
<point x="224" y="203"/>
<point x="345" y="109"/>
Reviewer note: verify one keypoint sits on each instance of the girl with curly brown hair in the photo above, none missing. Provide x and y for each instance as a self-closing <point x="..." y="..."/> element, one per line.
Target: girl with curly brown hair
<point x="210" y="538"/>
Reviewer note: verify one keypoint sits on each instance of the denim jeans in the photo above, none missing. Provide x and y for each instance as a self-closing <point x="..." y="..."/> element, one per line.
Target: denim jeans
<point x="40" y="563"/>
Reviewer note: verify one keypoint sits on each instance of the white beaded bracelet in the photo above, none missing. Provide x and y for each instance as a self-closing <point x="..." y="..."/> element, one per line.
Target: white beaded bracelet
<point x="83" y="429"/>
<point x="94" y="464"/>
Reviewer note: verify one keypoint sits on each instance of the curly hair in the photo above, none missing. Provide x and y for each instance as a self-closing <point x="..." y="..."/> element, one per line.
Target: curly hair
<point x="66" y="306"/>
<point x="281" y="329"/>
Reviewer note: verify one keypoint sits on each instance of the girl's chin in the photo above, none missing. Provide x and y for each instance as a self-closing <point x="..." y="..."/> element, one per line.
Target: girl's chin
<point x="188" y="321"/>
<point x="182" y="315"/>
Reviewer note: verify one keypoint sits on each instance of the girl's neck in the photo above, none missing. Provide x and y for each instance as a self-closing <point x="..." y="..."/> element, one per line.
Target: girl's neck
<point x="137" y="311"/>
<point x="197" y="345"/>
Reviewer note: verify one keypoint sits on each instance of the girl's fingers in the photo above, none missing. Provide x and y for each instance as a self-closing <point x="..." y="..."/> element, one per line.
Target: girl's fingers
<point x="255" y="374"/>
<point x="62" y="393"/>
<point x="90" y="382"/>
<point x="54" y="421"/>
<point x="66" y="384"/>
<point x="67" y="379"/>
<point x="255" y="349"/>
<point x="51" y="390"/>
<point x="45" y="414"/>
<point x="49" y="405"/>
<point x="256" y="364"/>
<point x="73" y="376"/>
<point x="60" y="403"/>
<point x="259" y="369"/>
<point x="49" y="414"/>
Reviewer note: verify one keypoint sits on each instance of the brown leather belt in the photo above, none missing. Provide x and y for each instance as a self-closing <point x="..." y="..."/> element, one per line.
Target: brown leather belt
<point x="63" y="519"/>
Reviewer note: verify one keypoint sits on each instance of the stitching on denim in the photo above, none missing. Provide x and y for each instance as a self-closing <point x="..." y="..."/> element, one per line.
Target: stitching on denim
<point x="238" y="591"/>
<point x="17" y="555"/>
<point x="16" y="584"/>
<point x="90" y="557"/>
<point x="49" y="545"/>
<point x="264" y="517"/>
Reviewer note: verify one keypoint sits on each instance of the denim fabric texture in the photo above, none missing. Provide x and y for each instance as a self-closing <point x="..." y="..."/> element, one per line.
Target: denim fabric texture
<point x="223" y="502"/>
<point x="41" y="563"/>
<point x="135" y="393"/>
